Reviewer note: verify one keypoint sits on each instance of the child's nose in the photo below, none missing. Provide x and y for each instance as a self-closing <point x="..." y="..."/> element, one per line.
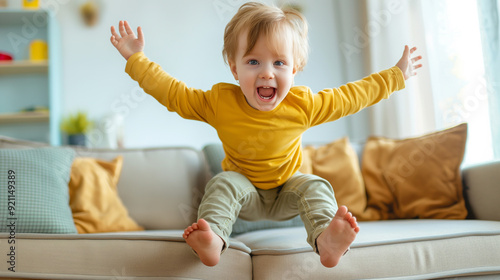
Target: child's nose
<point x="266" y="73"/>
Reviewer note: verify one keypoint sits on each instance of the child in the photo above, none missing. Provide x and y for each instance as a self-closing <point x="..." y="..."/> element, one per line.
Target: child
<point x="260" y="123"/>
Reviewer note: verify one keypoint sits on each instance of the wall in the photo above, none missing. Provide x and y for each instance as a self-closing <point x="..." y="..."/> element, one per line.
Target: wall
<point x="185" y="38"/>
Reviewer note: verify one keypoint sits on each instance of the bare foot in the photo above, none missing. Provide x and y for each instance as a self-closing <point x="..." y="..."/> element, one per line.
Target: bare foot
<point x="334" y="241"/>
<point x="204" y="241"/>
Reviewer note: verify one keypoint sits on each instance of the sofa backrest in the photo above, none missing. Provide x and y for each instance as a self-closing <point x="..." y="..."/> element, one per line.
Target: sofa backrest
<point x="160" y="187"/>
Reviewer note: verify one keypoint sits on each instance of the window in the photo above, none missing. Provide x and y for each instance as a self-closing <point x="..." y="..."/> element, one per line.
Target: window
<point x="457" y="71"/>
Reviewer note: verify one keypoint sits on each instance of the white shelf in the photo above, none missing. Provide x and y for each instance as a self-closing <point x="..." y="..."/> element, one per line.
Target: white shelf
<point x="25" y="83"/>
<point x="12" y="16"/>
<point x="26" y="117"/>
<point x="23" y="67"/>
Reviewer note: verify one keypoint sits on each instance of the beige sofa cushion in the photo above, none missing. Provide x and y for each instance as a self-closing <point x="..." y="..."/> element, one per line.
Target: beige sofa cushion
<point x="403" y="249"/>
<point x="131" y="255"/>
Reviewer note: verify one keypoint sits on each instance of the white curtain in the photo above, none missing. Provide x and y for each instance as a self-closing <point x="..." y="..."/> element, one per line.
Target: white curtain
<point x="448" y="90"/>
<point x="489" y="21"/>
<point x="374" y="33"/>
<point x="392" y="25"/>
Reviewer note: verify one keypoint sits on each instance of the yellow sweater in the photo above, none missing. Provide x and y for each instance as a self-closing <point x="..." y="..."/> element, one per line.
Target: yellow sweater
<point x="263" y="146"/>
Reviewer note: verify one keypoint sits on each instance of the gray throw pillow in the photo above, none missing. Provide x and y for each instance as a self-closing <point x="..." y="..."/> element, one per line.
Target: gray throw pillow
<point x="34" y="190"/>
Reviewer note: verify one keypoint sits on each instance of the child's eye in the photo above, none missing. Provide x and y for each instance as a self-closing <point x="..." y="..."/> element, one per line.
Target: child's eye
<point x="253" y="62"/>
<point x="279" y="63"/>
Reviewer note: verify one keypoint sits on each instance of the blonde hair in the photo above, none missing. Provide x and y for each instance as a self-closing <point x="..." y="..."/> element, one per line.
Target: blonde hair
<point x="272" y="22"/>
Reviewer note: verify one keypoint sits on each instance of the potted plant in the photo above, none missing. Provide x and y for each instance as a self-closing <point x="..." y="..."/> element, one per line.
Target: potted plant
<point x="75" y="126"/>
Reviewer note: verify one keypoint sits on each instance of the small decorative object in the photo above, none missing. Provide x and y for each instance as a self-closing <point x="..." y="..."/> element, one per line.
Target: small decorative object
<point x="111" y="132"/>
<point x="30" y="4"/>
<point x="90" y="12"/>
<point x="4" y="56"/>
<point x="38" y="50"/>
<point x="75" y="126"/>
<point x="292" y="4"/>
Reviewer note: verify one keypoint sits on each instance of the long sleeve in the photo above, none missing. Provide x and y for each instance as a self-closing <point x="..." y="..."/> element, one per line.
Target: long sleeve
<point x="188" y="102"/>
<point x="332" y="104"/>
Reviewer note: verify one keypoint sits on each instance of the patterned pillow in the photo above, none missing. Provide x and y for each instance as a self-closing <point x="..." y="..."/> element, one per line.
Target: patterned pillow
<point x="34" y="190"/>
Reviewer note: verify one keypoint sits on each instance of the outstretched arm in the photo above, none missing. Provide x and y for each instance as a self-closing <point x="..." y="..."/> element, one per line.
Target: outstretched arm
<point x="126" y="42"/>
<point x="407" y="64"/>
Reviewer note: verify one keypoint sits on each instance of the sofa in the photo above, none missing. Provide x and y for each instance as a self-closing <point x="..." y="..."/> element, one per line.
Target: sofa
<point x="161" y="188"/>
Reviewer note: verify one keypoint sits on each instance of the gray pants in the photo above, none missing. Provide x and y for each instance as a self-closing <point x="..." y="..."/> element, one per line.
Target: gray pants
<point x="230" y="194"/>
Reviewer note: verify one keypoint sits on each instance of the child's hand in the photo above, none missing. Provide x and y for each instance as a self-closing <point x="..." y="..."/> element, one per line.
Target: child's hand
<point x="127" y="44"/>
<point x="407" y="64"/>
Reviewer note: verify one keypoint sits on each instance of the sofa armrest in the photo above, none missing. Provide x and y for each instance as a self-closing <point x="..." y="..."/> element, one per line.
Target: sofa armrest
<point x="483" y="190"/>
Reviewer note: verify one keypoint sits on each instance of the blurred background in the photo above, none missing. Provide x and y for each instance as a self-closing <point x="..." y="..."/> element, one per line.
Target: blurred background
<point x="458" y="39"/>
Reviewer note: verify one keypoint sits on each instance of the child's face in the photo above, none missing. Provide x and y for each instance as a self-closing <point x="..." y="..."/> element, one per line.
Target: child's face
<point x="265" y="74"/>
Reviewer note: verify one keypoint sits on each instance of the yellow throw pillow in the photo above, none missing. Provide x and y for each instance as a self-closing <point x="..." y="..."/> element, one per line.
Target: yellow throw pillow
<point x="376" y="155"/>
<point x="416" y="177"/>
<point x="306" y="167"/>
<point x="94" y="199"/>
<point x="338" y="163"/>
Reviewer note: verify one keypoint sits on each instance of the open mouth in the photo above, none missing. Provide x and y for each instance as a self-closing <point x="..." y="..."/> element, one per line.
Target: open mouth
<point x="266" y="93"/>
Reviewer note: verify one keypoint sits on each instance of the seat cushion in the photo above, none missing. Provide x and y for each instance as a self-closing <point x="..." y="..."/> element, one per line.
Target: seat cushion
<point x="403" y="249"/>
<point x="130" y="255"/>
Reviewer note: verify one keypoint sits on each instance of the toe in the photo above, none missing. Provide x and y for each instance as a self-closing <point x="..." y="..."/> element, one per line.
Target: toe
<point x="348" y="216"/>
<point x="341" y="212"/>
<point x="353" y="222"/>
<point x="203" y="225"/>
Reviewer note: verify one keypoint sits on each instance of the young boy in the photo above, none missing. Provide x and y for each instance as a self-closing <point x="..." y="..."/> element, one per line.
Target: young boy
<point x="260" y="123"/>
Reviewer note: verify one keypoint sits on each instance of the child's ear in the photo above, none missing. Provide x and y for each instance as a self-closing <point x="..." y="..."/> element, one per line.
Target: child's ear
<point x="293" y="73"/>
<point x="232" y="66"/>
